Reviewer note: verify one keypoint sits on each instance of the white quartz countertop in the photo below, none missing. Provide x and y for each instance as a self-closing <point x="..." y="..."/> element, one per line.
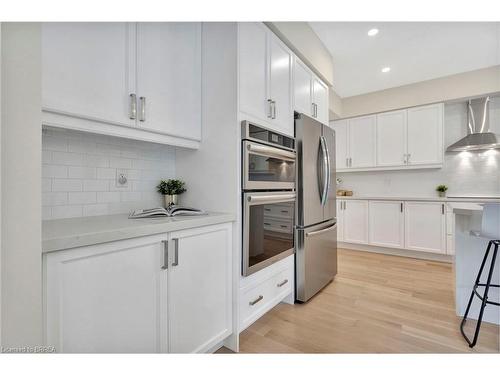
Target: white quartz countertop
<point x="471" y="199"/>
<point x="64" y="234"/>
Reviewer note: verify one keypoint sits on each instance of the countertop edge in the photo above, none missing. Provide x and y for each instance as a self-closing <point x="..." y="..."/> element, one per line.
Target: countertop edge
<point x="422" y="199"/>
<point x="94" y="238"/>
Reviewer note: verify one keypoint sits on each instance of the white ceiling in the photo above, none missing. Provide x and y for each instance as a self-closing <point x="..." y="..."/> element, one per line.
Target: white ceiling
<point x="415" y="51"/>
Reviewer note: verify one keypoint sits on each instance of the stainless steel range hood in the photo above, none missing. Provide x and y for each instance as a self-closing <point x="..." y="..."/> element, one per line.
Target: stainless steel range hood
<point x="479" y="137"/>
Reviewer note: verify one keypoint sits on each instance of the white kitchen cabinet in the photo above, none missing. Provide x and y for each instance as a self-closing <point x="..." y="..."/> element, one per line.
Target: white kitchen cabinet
<point x="362" y="145"/>
<point x="425" y="226"/>
<point x="341" y="128"/>
<point x="280" y="85"/>
<point x="355" y="217"/>
<point x="302" y="88"/>
<point x="253" y="69"/>
<point x="200" y="293"/>
<point x="265" y="77"/>
<point x="139" y="81"/>
<point x="160" y="293"/>
<point x="386" y="223"/>
<point x="310" y="93"/>
<point x="340" y="220"/>
<point x="169" y="78"/>
<point x="320" y="101"/>
<point x="86" y="70"/>
<point x="108" y="298"/>
<point x="391" y="138"/>
<point x="425" y="135"/>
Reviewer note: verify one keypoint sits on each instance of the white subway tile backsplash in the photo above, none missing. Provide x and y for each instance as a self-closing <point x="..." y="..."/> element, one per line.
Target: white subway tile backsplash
<point x="60" y="184"/>
<point x="79" y="173"/>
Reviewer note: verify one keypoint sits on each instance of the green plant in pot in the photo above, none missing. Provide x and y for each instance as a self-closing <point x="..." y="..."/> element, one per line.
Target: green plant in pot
<point x="441" y="189"/>
<point x="171" y="189"/>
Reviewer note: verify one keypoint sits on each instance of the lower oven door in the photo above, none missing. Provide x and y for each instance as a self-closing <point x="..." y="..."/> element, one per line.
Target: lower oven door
<point x="268" y="229"/>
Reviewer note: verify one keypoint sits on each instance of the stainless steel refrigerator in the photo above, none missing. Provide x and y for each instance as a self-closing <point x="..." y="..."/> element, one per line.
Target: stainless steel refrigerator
<point x="316" y="223"/>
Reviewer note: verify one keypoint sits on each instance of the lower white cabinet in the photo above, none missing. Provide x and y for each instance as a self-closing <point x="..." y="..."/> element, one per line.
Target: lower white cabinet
<point x="161" y="293"/>
<point x="355" y="218"/>
<point x="386" y="223"/>
<point x="340" y="220"/>
<point x="425" y="226"/>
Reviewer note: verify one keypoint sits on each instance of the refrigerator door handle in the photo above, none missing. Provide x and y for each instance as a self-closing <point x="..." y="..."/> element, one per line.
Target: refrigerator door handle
<point x="321" y="231"/>
<point x="323" y="164"/>
<point x="328" y="174"/>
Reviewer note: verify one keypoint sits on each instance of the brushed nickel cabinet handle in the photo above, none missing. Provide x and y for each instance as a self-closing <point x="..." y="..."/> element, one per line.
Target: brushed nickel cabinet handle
<point x="133" y="107"/>
<point x="401" y="206"/>
<point x="279" y="285"/>
<point x="176" y="252"/>
<point x="274" y="109"/>
<point x="258" y="299"/>
<point x="165" y="255"/>
<point x="142" y="114"/>
<point x="269" y="108"/>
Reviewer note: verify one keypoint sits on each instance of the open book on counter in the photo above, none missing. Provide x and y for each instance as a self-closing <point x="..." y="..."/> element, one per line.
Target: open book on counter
<point x="173" y="210"/>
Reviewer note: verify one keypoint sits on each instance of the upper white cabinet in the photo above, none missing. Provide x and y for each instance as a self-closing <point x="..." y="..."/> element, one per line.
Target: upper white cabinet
<point x="320" y="101"/>
<point x="200" y="308"/>
<point x="425" y="135"/>
<point x="386" y="223"/>
<point x="265" y="77"/>
<point x="391" y="138"/>
<point x="86" y="70"/>
<point x="310" y="94"/>
<point x="425" y="226"/>
<point x="130" y="80"/>
<point x="161" y="293"/>
<point x="408" y="138"/>
<point x="362" y="142"/>
<point x="169" y="78"/>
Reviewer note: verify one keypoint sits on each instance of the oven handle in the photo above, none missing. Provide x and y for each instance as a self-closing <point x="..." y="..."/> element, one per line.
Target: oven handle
<point x="271" y="151"/>
<point x="317" y="232"/>
<point x="276" y="198"/>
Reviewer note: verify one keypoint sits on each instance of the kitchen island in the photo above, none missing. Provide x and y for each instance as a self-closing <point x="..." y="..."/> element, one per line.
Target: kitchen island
<point x="475" y="225"/>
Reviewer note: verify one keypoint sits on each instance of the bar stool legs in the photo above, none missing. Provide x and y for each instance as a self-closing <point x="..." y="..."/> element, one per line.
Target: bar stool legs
<point x="484" y="297"/>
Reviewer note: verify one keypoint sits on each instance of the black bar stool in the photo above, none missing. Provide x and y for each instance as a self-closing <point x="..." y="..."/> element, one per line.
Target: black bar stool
<point x="484" y="297"/>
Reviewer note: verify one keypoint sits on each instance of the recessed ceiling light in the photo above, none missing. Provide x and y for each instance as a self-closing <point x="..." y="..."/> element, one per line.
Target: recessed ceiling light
<point x="386" y="69"/>
<point x="372" y="32"/>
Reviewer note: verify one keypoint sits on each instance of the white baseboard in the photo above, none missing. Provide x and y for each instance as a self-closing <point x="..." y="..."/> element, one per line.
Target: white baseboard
<point x="398" y="252"/>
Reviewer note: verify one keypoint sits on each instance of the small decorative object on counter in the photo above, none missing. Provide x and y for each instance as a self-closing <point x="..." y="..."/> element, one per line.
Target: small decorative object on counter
<point x="344" y="193"/>
<point x="339" y="181"/>
<point x="171" y="190"/>
<point x="441" y="189"/>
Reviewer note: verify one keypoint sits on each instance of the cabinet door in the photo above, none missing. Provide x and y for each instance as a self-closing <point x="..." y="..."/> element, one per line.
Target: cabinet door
<point x="200" y="292"/>
<point x="280" y="85"/>
<point x="340" y="220"/>
<point x="107" y="298"/>
<point x="425" y="227"/>
<point x="253" y="57"/>
<point x="356" y="221"/>
<point x="341" y="128"/>
<point x="362" y="142"/>
<point x="86" y="70"/>
<point x="391" y="138"/>
<point x="320" y="99"/>
<point x="302" y="88"/>
<point x="425" y="135"/>
<point x="386" y="223"/>
<point x="169" y="77"/>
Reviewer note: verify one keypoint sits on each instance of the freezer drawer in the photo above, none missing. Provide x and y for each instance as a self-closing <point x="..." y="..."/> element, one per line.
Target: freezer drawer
<point x="316" y="259"/>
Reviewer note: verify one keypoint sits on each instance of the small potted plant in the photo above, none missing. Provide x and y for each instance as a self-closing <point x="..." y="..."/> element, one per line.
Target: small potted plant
<point x="171" y="189"/>
<point x="441" y="189"/>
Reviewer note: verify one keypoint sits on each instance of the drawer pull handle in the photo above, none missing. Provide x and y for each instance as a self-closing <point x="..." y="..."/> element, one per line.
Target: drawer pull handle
<point x="267" y="224"/>
<point x="284" y="211"/>
<point x="260" y="298"/>
<point x="283" y="226"/>
<point x="279" y="285"/>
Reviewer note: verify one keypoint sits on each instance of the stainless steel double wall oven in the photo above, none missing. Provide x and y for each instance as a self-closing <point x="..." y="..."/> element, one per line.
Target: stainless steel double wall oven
<point x="268" y="185"/>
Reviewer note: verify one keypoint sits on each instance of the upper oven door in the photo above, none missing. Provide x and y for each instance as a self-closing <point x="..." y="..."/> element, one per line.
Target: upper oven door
<point x="267" y="168"/>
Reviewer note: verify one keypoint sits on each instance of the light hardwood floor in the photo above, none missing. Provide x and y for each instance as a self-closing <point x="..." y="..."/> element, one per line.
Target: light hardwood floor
<point x="376" y="304"/>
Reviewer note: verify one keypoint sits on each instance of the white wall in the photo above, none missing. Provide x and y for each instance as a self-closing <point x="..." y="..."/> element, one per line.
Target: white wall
<point x="465" y="173"/>
<point x="463" y="85"/>
<point x="21" y="194"/>
<point x="79" y="174"/>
